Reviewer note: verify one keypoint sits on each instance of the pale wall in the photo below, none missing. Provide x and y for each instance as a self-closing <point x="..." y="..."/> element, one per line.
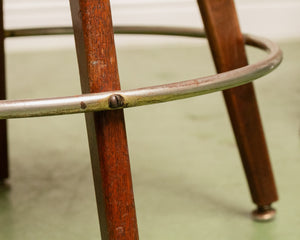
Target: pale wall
<point x="276" y="19"/>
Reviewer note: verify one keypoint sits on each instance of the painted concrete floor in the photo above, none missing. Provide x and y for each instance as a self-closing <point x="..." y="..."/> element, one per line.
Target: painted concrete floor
<point x="188" y="179"/>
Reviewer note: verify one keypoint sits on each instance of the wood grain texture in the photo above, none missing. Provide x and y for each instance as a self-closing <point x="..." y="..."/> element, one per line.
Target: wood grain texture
<point x="227" y="47"/>
<point x="106" y="130"/>
<point x="3" y="123"/>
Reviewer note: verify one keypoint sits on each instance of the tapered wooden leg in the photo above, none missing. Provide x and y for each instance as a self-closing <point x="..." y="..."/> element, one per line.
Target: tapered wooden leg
<point x="227" y="46"/>
<point x="97" y="60"/>
<point x="3" y="127"/>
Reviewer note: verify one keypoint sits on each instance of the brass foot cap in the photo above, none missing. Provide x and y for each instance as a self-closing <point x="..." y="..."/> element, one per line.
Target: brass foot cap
<point x="264" y="214"/>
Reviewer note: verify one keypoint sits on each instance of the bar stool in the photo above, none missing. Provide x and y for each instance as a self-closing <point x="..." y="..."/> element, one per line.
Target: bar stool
<point x="103" y="102"/>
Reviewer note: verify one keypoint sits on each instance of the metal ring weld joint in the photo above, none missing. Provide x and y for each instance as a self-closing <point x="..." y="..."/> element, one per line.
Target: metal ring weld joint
<point x="142" y="96"/>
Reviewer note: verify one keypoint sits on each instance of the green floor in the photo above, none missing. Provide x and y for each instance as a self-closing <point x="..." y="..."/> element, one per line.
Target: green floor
<point x="188" y="179"/>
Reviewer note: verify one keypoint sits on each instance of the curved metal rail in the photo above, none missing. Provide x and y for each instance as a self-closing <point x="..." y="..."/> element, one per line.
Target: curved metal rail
<point x="142" y="96"/>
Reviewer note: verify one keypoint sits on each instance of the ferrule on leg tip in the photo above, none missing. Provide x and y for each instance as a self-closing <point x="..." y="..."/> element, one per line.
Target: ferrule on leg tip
<point x="264" y="213"/>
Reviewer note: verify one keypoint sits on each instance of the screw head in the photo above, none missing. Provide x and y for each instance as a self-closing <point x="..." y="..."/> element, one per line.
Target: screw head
<point x="116" y="101"/>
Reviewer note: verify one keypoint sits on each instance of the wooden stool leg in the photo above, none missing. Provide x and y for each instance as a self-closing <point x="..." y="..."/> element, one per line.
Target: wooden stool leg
<point x="97" y="60"/>
<point x="3" y="128"/>
<point x="227" y="46"/>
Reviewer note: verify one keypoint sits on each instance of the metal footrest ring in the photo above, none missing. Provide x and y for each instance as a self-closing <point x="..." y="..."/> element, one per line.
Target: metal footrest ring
<point x="142" y="96"/>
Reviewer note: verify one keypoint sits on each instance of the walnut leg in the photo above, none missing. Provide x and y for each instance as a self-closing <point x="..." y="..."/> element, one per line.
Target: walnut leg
<point x="97" y="60"/>
<point x="3" y="128"/>
<point x="227" y="47"/>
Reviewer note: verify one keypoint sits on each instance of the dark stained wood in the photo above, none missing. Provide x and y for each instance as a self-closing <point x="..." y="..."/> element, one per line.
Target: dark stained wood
<point x="227" y="47"/>
<point x="106" y="130"/>
<point x="3" y="123"/>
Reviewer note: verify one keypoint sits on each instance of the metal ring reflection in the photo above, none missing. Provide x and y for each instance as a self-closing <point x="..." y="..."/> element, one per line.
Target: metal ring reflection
<point x="142" y="96"/>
